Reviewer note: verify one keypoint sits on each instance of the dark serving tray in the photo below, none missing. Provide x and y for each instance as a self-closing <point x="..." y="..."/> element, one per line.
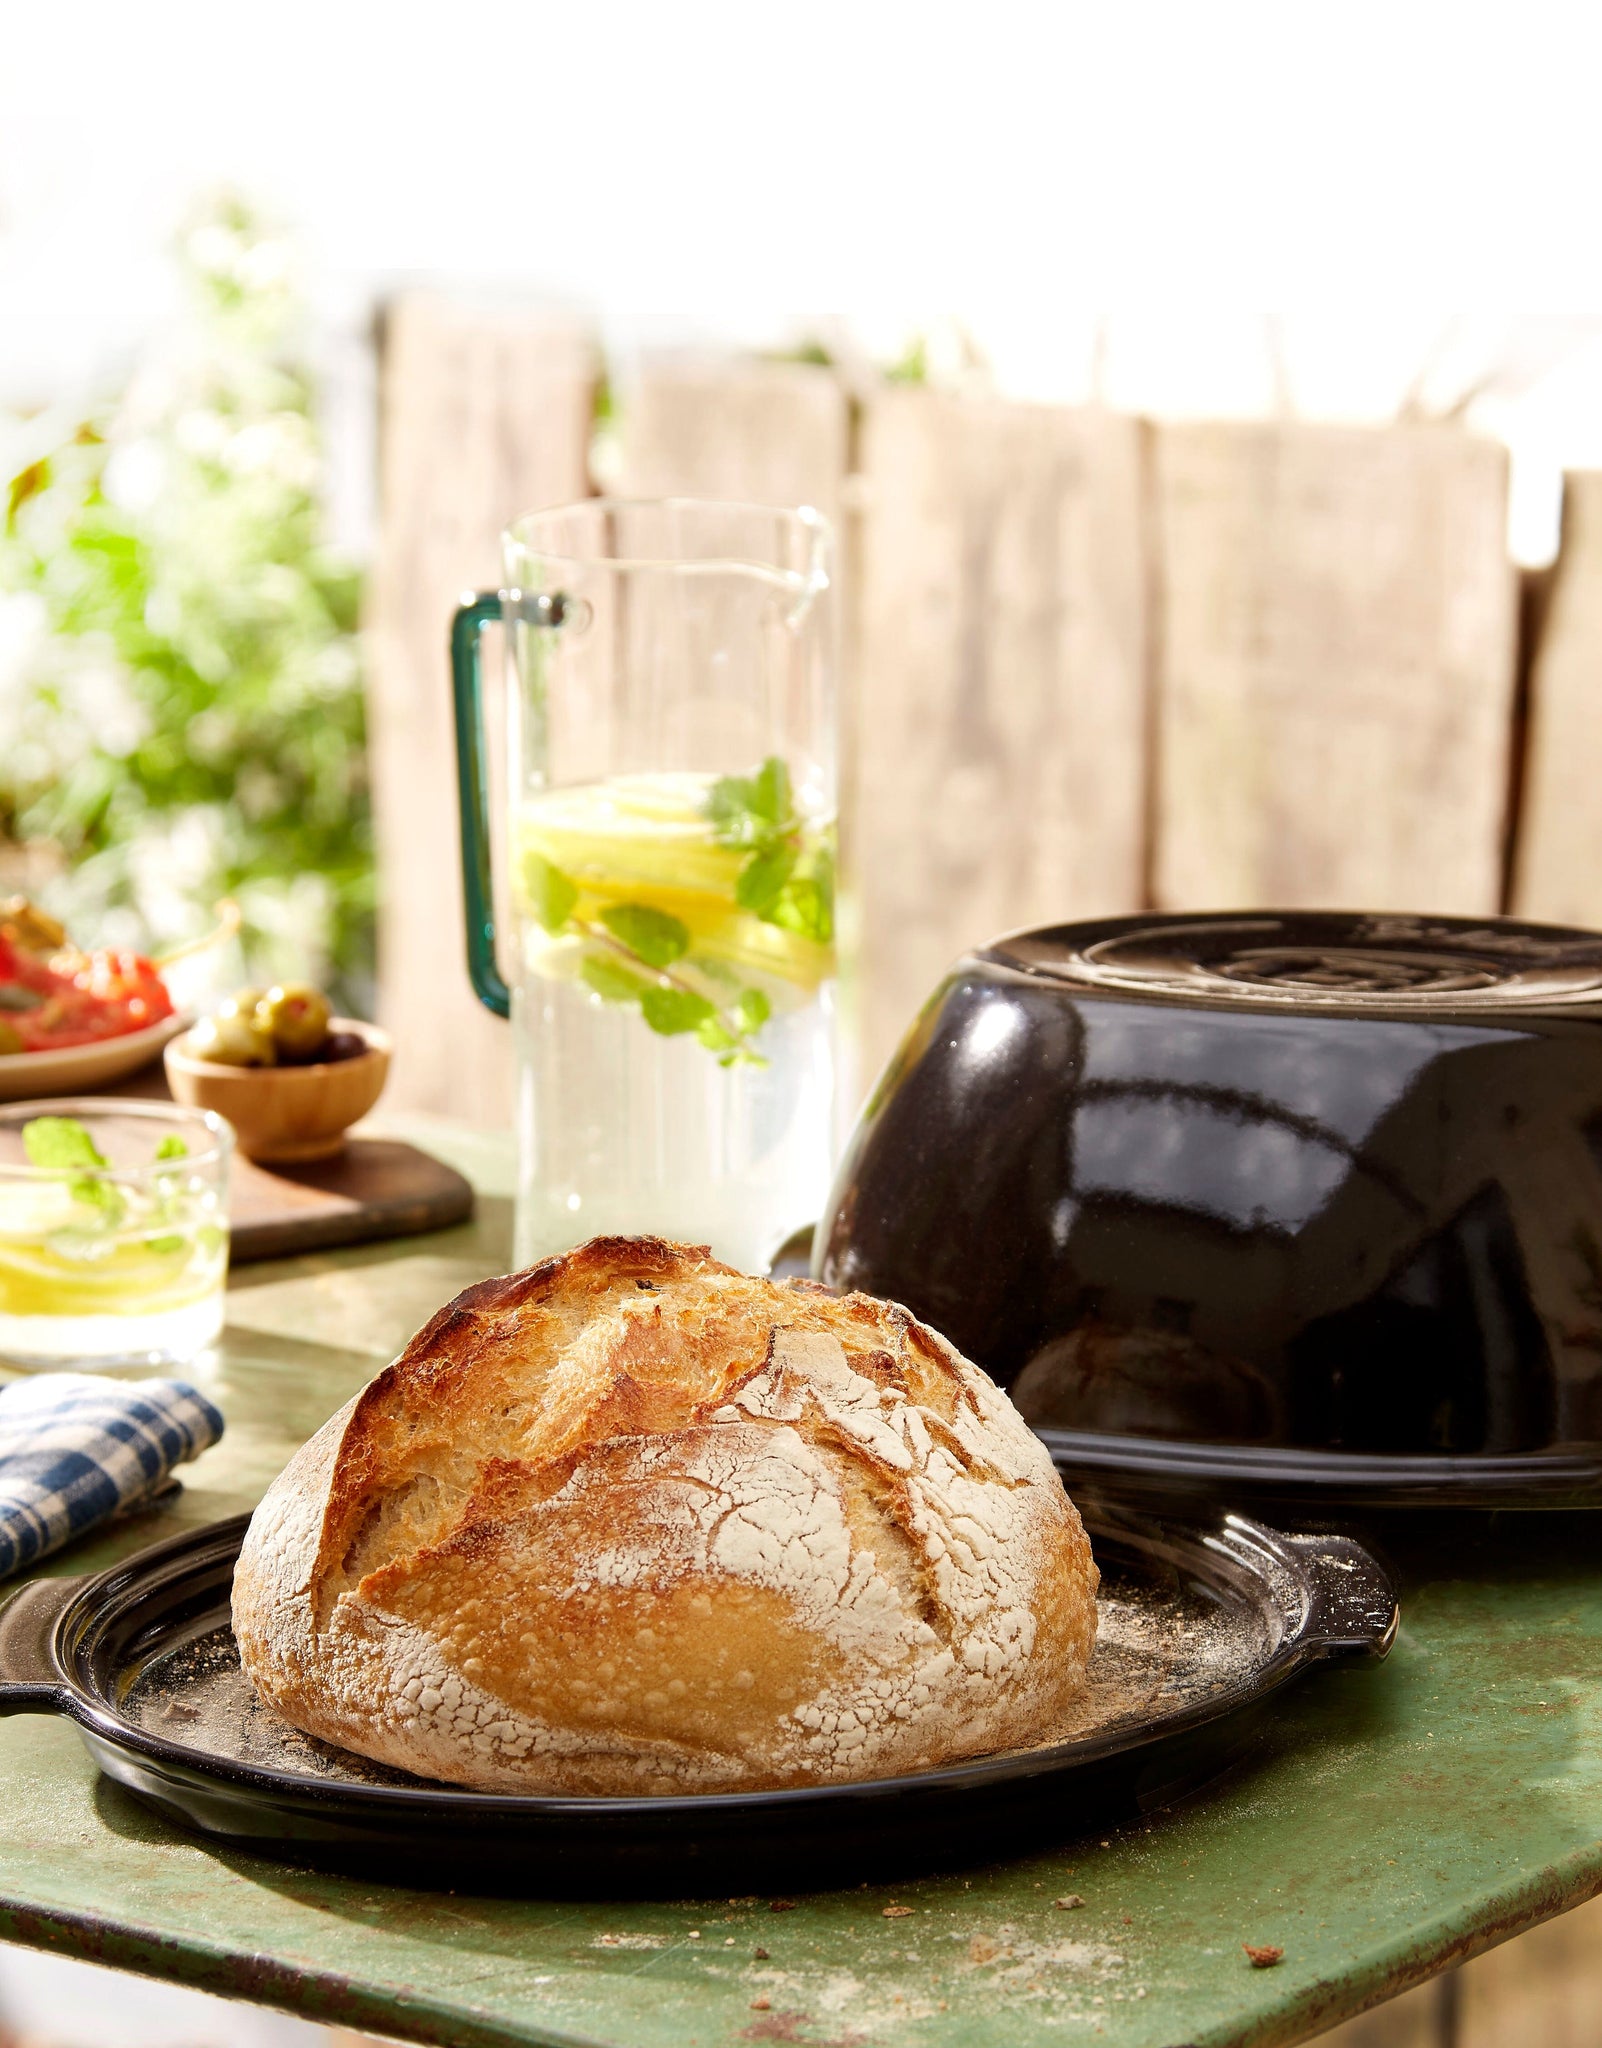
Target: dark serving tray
<point x="1200" y="1626"/>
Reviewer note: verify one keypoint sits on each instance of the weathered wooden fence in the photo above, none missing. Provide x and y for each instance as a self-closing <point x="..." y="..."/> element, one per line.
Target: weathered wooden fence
<point x="479" y="412"/>
<point x="1090" y="664"/>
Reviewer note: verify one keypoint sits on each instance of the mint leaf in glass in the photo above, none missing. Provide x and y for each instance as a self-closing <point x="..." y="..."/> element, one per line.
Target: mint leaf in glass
<point x="751" y="1012"/>
<point x="756" y="813"/>
<point x="172" y="1147"/>
<point x="805" y="906"/>
<point x="730" y="807"/>
<point x="716" y="1036"/>
<point x="762" y="877"/>
<point x="654" y="936"/>
<point x="551" y="894"/>
<point x="772" y="791"/>
<point x="61" y="1142"/>
<point x="611" y="980"/>
<point x="751" y="810"/>
<point x="674" y="1010"/>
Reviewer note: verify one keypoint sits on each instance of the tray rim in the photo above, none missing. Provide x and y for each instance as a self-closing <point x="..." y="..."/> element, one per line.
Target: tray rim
<point x="1238" y="1544"/>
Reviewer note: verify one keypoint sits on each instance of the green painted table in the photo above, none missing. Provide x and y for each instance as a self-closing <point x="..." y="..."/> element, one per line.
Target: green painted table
<point x="1394" y="1821"/>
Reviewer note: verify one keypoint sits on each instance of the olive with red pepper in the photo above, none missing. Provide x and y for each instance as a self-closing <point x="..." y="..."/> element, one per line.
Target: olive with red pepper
<point x="287" y="1025"/>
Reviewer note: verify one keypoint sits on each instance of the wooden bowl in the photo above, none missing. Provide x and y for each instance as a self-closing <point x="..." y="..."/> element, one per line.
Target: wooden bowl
<point x="286" y="1114"/>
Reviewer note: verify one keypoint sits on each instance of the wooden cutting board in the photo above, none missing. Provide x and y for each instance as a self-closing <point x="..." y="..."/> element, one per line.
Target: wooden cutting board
<point x="376" y="1187"/>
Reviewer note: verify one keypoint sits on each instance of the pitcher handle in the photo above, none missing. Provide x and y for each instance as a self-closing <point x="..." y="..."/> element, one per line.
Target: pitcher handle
<point x="473" y="614"/>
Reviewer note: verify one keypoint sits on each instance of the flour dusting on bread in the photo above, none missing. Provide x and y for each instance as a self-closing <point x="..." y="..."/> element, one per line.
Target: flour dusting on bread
<point x="632" y="1521"/>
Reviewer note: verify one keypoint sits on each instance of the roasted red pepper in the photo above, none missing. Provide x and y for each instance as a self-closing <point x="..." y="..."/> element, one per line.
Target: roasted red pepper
<point x="75" y="998"/>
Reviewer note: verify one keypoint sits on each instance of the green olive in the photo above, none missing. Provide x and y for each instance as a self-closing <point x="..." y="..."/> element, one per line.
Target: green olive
<point x="233" y="1042"/>
<point x="297" y="1016"/>
<point x="244" y="1002"/>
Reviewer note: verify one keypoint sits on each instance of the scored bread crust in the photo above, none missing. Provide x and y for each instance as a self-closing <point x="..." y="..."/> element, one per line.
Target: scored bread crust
<point x="631" y="1521"/>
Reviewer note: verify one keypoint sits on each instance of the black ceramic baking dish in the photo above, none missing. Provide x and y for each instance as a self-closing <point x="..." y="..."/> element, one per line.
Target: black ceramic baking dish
<point x="1199" y="1628"/>
<point x="1301" y="1204"/>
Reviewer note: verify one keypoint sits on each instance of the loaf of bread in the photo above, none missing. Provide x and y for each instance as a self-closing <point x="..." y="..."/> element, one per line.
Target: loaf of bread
<point x="631" y="1521"/>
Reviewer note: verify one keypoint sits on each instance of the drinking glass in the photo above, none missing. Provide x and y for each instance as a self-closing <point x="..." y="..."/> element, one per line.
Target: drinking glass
<point x="670" y="846"/>
<point x="117" y="1255"/>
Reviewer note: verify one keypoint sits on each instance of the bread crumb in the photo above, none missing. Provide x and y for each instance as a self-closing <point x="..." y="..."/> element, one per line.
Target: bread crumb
<point x="1068" y="1902"/>
<point x="761" y="2004"/>
<point x="761" y="1954"/>
<point x="781" y="1905"/>
<point x="982" y="1949"/>
<point x="1263" y="1958"/>
<point x="898" y="1912"/>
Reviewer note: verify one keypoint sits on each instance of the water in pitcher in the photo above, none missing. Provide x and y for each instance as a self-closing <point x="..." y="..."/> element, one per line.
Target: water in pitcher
<point x="675" y="1011"/>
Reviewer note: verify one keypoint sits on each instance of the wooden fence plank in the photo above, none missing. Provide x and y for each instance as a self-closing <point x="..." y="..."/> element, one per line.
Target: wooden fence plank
<point x="1336" y="678"/>
<point x="733" y="427"/>
<point x="1557" y="861"/>
<point x="1001" y="713"/>
<point x="484" y="414"/>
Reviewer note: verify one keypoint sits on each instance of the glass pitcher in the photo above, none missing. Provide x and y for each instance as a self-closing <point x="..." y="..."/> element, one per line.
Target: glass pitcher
<point x="671" y="859"/>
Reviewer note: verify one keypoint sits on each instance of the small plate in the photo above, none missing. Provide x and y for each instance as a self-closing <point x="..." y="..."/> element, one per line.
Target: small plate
<point x="70" y="1069"/>
<point x="1200" y="1625"/>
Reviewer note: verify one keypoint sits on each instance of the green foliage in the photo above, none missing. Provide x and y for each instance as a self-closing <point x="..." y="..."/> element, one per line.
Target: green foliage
<point x="912" y="367"/>
<point x="180" y="693"/>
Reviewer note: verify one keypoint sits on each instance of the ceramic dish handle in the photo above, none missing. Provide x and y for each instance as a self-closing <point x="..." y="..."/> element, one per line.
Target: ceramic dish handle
<point x="1353" y="1609"/>
<point x="30" y="1679"/>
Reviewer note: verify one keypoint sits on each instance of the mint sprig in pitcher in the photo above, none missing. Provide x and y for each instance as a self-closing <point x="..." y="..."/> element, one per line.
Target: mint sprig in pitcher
<point x="671" y="854"/>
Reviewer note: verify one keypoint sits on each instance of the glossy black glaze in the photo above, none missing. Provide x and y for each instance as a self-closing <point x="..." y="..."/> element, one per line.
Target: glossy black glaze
<point x="76" y="1647"/>
<point x="1315" y="1181"/>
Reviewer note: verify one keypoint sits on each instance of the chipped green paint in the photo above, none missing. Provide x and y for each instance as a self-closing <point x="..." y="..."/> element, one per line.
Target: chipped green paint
<point x="1393" y="1820"/>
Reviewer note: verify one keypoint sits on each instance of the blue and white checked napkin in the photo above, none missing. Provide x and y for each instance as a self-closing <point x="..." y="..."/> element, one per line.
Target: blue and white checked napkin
<point x="76" y="1449"/>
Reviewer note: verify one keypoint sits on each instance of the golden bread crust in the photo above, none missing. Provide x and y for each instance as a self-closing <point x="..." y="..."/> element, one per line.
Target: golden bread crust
<point x="631" y="1521"/>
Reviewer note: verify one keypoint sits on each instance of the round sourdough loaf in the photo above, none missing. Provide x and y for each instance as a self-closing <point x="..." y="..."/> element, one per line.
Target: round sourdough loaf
<point x="631" y="1522"/>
